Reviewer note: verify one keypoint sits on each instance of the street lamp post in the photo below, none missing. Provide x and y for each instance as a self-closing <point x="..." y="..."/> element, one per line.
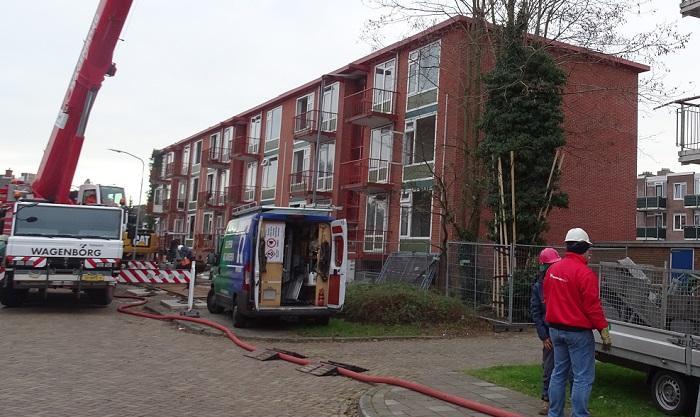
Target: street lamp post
<point x="138" y="209"/>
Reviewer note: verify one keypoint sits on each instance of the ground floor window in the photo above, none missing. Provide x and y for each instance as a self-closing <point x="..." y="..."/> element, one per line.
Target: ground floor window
<point x="415" y="214"/>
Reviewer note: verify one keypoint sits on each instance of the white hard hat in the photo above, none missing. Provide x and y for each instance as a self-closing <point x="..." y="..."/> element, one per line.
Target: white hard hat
<point x="577" y="235"/>
<point x="179" y="247"/>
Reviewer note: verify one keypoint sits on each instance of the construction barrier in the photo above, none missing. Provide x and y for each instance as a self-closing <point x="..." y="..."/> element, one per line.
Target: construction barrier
<point x="141" y="265"/>
<point x="154" y="276"/>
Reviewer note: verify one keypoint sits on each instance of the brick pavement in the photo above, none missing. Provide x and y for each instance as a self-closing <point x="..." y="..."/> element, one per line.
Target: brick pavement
<point x="65" y="360"/>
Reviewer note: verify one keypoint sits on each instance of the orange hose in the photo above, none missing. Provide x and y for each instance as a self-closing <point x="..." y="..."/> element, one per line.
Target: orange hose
<point x="371" y="379"/>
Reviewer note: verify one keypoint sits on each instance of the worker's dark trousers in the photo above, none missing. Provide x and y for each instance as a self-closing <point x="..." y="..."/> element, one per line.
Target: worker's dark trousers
<point x="547" y="368"/>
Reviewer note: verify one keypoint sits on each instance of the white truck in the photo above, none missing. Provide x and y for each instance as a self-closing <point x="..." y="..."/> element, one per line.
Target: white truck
<point x="62" y="246"/>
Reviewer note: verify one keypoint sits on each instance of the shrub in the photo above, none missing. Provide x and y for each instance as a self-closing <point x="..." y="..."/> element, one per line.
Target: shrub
<point x="400" y="304"/>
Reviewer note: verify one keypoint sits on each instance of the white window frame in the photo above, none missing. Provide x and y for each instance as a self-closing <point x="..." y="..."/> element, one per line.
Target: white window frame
<point x="178" y="226"/>
<point x="414" y="66"/>
<point x="271" y="135"/>
<point x="380" y="101"/>
<point x="681" y="222"/>
<point x="227" y="144"/>
<point x="207" y="224"/>
<point x="413" y="129"/>
<point x="194" y="190"/>
<point x="326" y="156"/>
<point x="214" y="145"/>
<point x="269" y="182"/>
<point x="409" y="206"/>
<point x="191" y="223"/>
<point x="157" y="196"/>
<point x="251" y="176"/>
<point x="186" y="160"/>
<point x="329" y="112"/>
<point x="375" y="237"/>
<point x="682" y="187"/>
<point x="696" y="218"/>
<point x="254" y="132"/>
<point x="197" y="153"/>
<point x="310" y="106"/>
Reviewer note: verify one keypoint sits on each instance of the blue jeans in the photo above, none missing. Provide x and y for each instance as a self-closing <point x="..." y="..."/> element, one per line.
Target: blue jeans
<point x="574" y="352"/>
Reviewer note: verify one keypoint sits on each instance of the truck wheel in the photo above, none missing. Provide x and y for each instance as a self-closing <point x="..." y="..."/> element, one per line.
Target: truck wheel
<point x="211" y="303"/>
<point x="670" y="392"/>
<point x="239" y="320"/>
<point x="12" y="298"/>
<point x="102" y="297"/>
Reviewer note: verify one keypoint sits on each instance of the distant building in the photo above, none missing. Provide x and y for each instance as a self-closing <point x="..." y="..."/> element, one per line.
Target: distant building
<point x="690" y="8"/>
<point x="668" y="206"/>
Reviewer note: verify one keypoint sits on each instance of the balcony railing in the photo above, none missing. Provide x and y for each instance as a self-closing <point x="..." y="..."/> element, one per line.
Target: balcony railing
<point x="372" y="107"/>
<point x="651" y="203"/>
<point x="651" y="233"/>
<point x="691" y="232"/>
<point x="241" y="194"/>
<point x="204" y="241"/>
<point x="368" y="175"/>
<point x="216" y="156"/>
<point x="213" y="199"/>
<point x="303" y="182"/>
<point x="691" y="200"/>
<point x="690" y="8"/>
<point x="375" y="241"/>
<point x="245" y="148"/>
<point x="306" y="126"/>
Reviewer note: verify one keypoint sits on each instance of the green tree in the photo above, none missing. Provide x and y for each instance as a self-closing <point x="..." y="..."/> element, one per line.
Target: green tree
<point x="523" y="114"/>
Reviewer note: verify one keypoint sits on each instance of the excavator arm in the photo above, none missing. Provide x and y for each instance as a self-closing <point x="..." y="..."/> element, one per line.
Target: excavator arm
<point x="55" y="174"/>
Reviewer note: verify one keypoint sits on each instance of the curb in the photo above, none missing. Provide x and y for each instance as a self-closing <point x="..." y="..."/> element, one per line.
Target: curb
<point x="205" y="330"/>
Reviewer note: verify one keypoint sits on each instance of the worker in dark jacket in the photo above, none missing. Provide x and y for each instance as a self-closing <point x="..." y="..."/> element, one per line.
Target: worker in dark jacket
<point x="573" y="312"/>
<point x="547" y="257"/>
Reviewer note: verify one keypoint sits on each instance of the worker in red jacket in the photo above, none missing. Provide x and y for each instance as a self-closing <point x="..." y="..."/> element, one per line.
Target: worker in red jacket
<point x="573" y="312"/>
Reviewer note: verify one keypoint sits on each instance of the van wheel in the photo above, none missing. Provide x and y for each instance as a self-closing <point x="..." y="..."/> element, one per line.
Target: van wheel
<point x="239" y="320"/>
<point x="102" y="297"/>
<point x="670" y="392"/>
<point x="211" y="303"/>
<point x="10" y="297"/>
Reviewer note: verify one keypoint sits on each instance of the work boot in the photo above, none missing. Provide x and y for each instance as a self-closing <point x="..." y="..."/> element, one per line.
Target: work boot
<point x="545" y="408"/>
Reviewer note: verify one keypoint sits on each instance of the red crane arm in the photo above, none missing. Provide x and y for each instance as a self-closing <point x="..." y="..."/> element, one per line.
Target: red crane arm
<point x="55" y="175"/>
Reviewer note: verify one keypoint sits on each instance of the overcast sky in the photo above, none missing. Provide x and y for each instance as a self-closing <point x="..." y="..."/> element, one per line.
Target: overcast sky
<point x="186" y="65"/>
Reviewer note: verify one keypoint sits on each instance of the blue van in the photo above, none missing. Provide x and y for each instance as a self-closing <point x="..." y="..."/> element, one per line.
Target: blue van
<point x="280" y="261"/>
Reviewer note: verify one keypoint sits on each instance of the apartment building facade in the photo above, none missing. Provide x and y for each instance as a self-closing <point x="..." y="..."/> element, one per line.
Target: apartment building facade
<point x="668" y="206"/>
<point x="370" y="138"/>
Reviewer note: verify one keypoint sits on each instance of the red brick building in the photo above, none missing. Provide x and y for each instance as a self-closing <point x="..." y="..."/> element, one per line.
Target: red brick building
<point x="386" y="124"/>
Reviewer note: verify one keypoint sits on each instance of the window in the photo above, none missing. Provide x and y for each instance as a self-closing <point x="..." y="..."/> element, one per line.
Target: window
<point x="181" y="195"/>
<point x="679" y="190"/>
<point x="190" y="226"/>
<point x="659" y="190"/>
<point x="329" y="117"/>
<point x="423" y="69"/>
<point x="383" y="98"/>
<point x="250" y="180"/>
<point x="419" y="141"/>
<point x="214" y="146"/>
<point x="186" y="159"/>
<point x="269" y="174"/>
<point x="194" y="189"/>
<point x="326" y="156"/>
<point x="227" y="144"/>
<point x="696" y="218"/>
<point x="273" y="126"/>
<point x="375" y="223"/>
<point x="381" y="142"/>
<point x="696" y="186"/>
<point x="177" y="226"/>
<point x="254" y="134"/>
<point x="678" y="222"/>
<point x="415" y="215"/>
<point x="157" y="197"/>
<point x="304" y="119"/>
<point x="197" y="152"/>
<point x="300" y="167"/>
<point x="207" y="223"/>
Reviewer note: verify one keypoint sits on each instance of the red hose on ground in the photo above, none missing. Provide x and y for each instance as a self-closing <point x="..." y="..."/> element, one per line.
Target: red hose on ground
<point x="376" y="379"/>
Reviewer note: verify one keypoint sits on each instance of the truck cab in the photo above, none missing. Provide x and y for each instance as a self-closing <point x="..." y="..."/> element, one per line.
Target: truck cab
<point x="279" y="261"/>
<point x="62" y="246"/>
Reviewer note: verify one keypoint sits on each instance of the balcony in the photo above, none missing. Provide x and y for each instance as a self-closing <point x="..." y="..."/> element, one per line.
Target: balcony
<point x="688" y="132"/>
<point x="306" y="126"/>
<point x="245" y="149"/>
<point x="690" y="8"/>
<point x="301" y="183"/>
<point x="238" y="195"/>
<point x="651" y="233"/>
<point x="211" y="199"/>
<point x="204" y="241"/>
<point x="651" y="203"/>
<point x="372" y="107"/>
<point x="217" y="157"/>
<point x="691" y="232"/>
<point x="691" y="201"/>
<point x="369" y="175"/>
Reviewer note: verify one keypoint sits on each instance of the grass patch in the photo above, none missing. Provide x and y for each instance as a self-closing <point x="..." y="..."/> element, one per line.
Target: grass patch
<point x="616" y="392"/>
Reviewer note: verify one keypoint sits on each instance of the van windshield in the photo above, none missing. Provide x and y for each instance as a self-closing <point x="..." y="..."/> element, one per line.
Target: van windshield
<point x="61" y="221"/>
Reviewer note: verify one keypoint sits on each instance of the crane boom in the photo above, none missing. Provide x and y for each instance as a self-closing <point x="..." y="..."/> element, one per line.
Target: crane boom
<point x="55" y="174"/>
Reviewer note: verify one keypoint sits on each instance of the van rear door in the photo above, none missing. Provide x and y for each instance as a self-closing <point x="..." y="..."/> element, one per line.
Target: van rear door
<point x="339" y="264"/>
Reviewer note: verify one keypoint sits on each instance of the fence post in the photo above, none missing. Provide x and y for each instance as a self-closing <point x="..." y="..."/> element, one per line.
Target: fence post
<point x="511" y="278"/>
<point x="476" y="272"/>
<point x="447" y="270"/>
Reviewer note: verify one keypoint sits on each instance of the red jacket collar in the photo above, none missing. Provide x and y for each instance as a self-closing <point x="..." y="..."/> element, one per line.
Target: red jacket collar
<point x="577" y="257"/>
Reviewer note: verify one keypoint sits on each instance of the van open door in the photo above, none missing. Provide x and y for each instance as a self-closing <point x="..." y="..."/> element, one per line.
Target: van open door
<point x="339" y="264"/>
<point x="257" y="253"/>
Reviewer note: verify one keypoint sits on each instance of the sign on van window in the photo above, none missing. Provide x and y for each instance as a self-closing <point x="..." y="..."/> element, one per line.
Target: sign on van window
<point x="274" y="242"/>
